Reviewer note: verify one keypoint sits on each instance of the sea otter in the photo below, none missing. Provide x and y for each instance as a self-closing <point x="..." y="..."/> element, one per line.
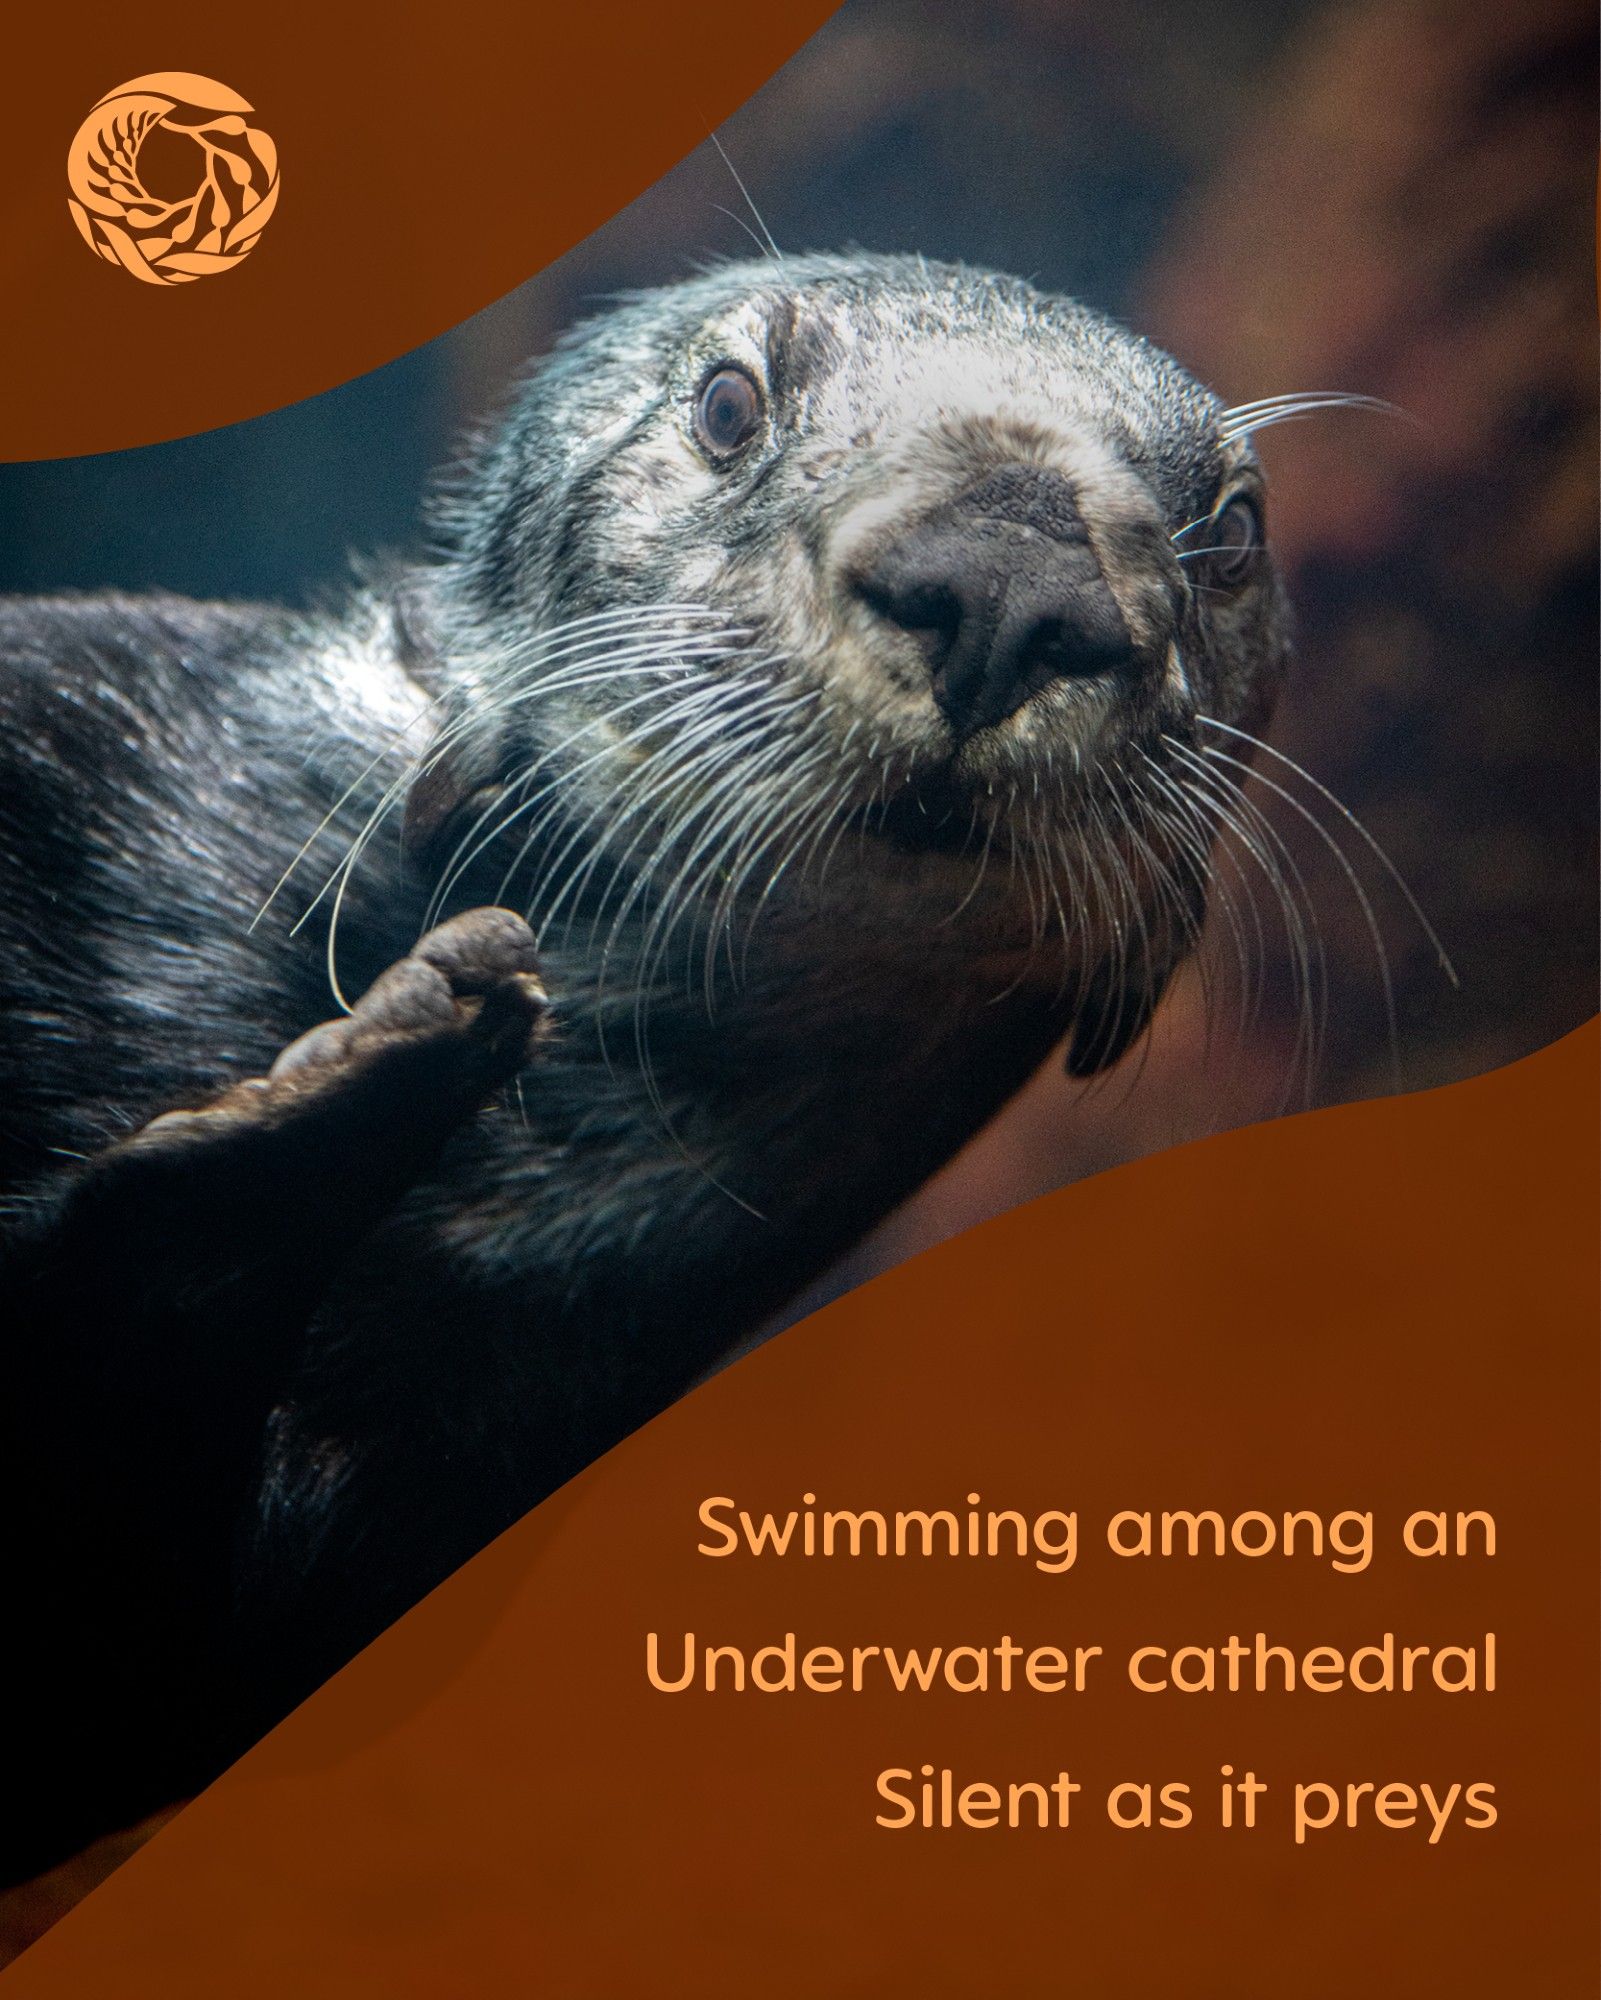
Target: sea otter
<point x="797" y="729"/>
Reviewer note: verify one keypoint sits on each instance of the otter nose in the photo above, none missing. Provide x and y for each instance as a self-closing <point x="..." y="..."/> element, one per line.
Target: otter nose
<point x="1004" y="594"/>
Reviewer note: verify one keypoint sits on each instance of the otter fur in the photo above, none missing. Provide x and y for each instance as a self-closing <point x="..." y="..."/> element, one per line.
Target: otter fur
<point x="788" y="740"/>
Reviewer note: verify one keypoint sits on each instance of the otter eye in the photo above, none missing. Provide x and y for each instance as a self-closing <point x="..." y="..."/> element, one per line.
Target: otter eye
<point x="1233" y="536"/>
<point x="728" y="411"/>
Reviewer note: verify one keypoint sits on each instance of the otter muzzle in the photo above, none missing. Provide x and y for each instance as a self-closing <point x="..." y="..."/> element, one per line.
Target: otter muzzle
<point x="1004" y="593"/>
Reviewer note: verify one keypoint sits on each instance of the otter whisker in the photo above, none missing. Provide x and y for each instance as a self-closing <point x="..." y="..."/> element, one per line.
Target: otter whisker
<point x="741" y="854"/>
<point x="746" y="858"/>
<point x="1212" y="807"/>
<point x="1179" y="876"/>
<point x="651" y="668"/>
<point x="1198" y="838"/>
<point x="338" y="806"/>
<point x="1136" y="929"/>
<point x="707" y="745"/>
<point x="1246" y="421"/>
<point x="1353" y="882"/>
<point x="1054" y="879"/>
<point x="464" y="856"/>
<point x="1308" y="399"/>
<point x="697" y="715"/>
<point x="1358" y="828"/>
<point x="978" y="875"/>
<point x="1031" y="873"/>
<point x="715" y="745"/>
<point x="1169" y="889"/>
<point x="721" y="809"/>
<point x="631" y="618"/>
<point x="1024" y="854"/>
<point x="778" y="829"/>
<point x="389" y="798"/>
<point x="1305" y="939"/>
<point x="777" y="873"/>
<point x="706" y="760"/>
<point x="589" y="648"/>
<point x="1261" y="842"/>
<point x="1309" y="963"/>
<point x="827" y="810"/>
<point x="652" y="953"/>
<point x="740" y="222"/>
<point x="677" y="770"/>
<point x="766" y="238"/>
<point x="517" y="660"/>
<point x="682" y="892"/>
<point x="1077" y="928"/>
<point x="1279" y="869"/>
<point x="723" y="752"/>
<point x="846" y="818"/>
<point x="1166" y="889"/>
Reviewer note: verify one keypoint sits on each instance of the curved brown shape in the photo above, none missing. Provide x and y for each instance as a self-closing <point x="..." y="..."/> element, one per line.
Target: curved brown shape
<point x="1386" y="1306"/>
<point x="439" y="157"/>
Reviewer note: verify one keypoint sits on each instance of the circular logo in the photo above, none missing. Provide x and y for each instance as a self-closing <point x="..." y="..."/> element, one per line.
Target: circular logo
<point x="169" y="181"/>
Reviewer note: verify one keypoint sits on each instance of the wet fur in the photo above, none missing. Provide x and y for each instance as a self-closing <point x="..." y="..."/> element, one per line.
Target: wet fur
<point x="254" y="1427"/>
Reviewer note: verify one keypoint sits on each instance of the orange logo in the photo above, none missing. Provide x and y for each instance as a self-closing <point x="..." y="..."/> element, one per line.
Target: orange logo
<point x="169" y="181"/>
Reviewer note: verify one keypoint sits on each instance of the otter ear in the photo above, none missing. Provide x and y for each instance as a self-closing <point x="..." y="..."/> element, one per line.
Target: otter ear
<point x="436" y="807"/>
<point x="447" y="780"/>
<point x="1111" y="1018"/>
<point x="443" y="783"/>
<point x="437" y="793"/>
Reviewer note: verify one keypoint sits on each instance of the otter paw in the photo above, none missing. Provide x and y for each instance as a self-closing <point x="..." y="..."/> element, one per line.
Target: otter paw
<point x="427" y="1043"/>
<point x="475" y="978"/>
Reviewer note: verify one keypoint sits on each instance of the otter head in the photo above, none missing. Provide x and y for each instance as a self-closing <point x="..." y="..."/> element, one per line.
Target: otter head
<point x="864" y="592"/>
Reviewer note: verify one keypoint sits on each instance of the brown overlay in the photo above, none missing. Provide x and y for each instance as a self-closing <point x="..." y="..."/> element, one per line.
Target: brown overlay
<point x="1387" y="1306"/>
<point x="438" y="157"/>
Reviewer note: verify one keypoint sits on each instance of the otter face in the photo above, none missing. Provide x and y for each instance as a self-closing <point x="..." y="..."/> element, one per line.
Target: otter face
<point x="876" y="543"/>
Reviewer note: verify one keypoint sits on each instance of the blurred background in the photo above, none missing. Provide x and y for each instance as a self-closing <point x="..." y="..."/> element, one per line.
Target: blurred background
<point x="1389" y="196"/>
